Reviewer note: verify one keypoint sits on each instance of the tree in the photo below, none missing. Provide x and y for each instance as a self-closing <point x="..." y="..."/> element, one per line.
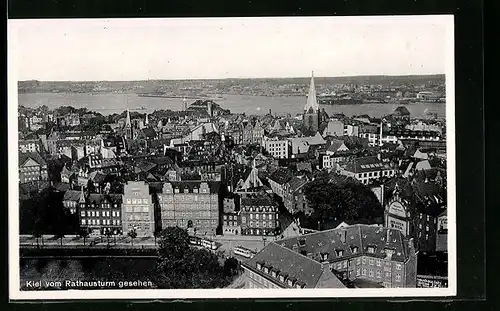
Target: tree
<point x="344" y="199"/>
<point x="84" y="233"/>
<point x="231" y="266"/>
<point x="183" y="266"/>
<point x="190" y="223"/>
<point x="132" y="234"/>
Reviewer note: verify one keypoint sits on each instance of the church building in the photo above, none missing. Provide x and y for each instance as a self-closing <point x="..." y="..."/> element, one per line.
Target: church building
<point x="311" y="110"/>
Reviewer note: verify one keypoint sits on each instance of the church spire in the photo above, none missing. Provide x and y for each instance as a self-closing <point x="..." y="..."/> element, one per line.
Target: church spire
<point x="146" y="121"/>
<point x="127" y="120"/>
<point x="311" y="97"/>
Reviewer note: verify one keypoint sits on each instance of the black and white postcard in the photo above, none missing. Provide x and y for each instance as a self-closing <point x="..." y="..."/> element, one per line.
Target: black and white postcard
<point x="290" y="157"/>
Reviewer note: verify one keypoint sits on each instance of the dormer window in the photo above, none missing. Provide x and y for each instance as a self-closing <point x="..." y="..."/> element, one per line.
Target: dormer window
<point x="325" y="256"/>
<point x="340" y="252"/>
<point x="371" y="249"/>
<point x="266" y="270"/>
<point x="290" y="282"/>
<point x="273" y="274"/>
<point x="354" y="250"/>
<point x="282" y="278"/>
<point x="259" y="266"/>
<point x="298" y="286"/>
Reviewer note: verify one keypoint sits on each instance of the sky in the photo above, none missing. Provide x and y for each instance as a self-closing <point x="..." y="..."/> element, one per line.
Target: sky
<point x="209" y="48"/>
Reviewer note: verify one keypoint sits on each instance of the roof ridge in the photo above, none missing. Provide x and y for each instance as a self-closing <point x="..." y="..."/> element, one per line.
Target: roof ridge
<point x="297" y="253"/>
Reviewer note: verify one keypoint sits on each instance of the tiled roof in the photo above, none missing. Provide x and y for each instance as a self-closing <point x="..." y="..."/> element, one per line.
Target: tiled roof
<point x="23" y="157"/>
<point x="72" y="195"/>
<point x="256" y="199"/>
<point x="352" y="241"/>
<point x="304" y="271"/>
<point x="364" y="164"/>
<point x="281" y="176"/>
<point x="334" y="144"/>
<point x="296" y="183"/>
<point x="188" y="186"/>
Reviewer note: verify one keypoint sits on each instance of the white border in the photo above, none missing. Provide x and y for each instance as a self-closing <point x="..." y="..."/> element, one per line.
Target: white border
<point x="14" y="269"/>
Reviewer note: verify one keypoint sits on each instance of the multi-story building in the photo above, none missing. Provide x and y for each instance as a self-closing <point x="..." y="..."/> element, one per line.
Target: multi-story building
<point x="30" y="145"/>
<point x="277" y="148"/>
<point x="32" y="167"/>
<point x="361" y="254"/>
<point x="278" y="179"/>
<point x="279" y="267"/>
<point x="137" y="209"/>
<point x="414" y="210"/>
<point x="101" y="213"/>
<point x="334" y="128"/>
<point x="442" y="232"/>
<point x="294" y="198"/>
<point x="231" y="222"/>
<point x="190" y="204"/>
<point x="367" y="169"/>
<point x="258" y="214"/>
<point x="71" y="200"/>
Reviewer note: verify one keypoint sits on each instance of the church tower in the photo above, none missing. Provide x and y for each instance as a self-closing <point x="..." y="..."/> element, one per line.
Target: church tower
<point x="128" y="126"/>
<point x="311" y="110"/>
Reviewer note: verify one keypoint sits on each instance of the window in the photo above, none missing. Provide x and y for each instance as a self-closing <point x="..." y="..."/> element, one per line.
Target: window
<point x="358" y="272"/>
<point x="426" y="228"/>
<point x="398" y="266"/>
<point x="117" y="213"/>
<point x="364" y="260"/>
<point x="379" y="263"/>
<point x="345" y="264"/>
<point x="244" y="219"/>
<point x="370" y="273"/>
<point x="426" y="236"/>
<point x="379" y="274"/>
<point x="97" y="213"/>
<point x="371" y="261"/>
<point x="398" y="277"/>
<point x="145" y="209"/>
<point x="427" y="217"/>
<point x="358" y="261"/>
<point x="371" y="249"/>
<point x="251" y="216"/>
<point x="225" y="217"/>
<point x="82" y="213"/>
<point x="83" y="221"/>
<point x="364" y="271"/>
<point x="270" y="216"/>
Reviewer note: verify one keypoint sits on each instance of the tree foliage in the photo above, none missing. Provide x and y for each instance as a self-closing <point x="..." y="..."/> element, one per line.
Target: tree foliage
<point x="183" y="266"/>
<point x="345" y="200"/>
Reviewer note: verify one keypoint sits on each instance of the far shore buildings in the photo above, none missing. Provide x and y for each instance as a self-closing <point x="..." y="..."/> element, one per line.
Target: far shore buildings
<point x="137" y="209"/>
<point x="357" y="255"/>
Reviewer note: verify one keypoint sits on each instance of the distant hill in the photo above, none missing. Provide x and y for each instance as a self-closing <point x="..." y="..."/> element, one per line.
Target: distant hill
<point x="220" y="86"/>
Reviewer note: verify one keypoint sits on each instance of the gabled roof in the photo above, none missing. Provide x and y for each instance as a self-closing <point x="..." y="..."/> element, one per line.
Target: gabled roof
<point x="35" y="156"/>
<point x="285" y="262"/>
<point x="334" y="144"/>
<point x="71" y="195"/>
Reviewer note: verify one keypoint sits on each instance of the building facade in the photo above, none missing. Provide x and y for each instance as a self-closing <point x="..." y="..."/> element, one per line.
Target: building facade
<point x="361" y="254"/>
<point x="137" y="209"/>
<point x="259" y="215"/>
<point x="32" y="167"/>
<point x="190" y="204"/>
<point x="367" y="170"/>
<point x="277" y="148"/>
<point x="100" y="214"/>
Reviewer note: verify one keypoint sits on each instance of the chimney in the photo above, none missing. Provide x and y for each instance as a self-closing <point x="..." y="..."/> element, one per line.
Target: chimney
<point x="343" y="235"/>
<point x="270" y="111"/>
<point x="388" y="236"/>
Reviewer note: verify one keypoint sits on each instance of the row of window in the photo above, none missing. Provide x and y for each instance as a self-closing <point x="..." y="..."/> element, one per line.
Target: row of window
<point x="102" y="205"/>
<point x="198" y="214"/>
<point x="137" y="201"/>
<point x="230" y="223"/>
<point x="137" y="209"/>
<point x="96" y="213"/>
<point x="137" y="216"/>
<point x="259" y="209"/>
<point x="257" y="216"/>
<point x="280" y="277"/>
<point x="377" y="274"/>
<point x="114" y="222"/>
<point x="258" y="224"/>
<point x="253" y="231"/>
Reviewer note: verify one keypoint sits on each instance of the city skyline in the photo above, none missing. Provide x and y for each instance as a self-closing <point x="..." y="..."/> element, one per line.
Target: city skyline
<point x="100" y="50"/>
